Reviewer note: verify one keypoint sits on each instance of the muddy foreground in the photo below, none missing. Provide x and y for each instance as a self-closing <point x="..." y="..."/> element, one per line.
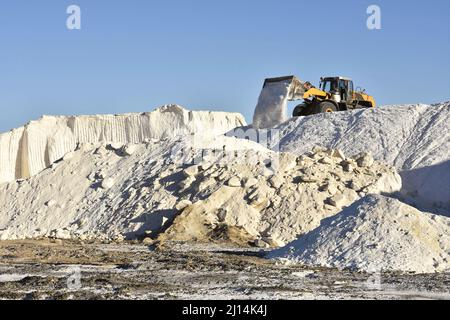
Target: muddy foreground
<point x="74" y="270"/>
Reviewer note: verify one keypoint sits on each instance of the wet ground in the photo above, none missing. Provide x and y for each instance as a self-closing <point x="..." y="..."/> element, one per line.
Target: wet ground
<point x="74" y="270"/>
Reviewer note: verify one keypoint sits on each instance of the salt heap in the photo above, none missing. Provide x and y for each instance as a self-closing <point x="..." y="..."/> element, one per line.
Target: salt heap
<point x="104" y="191"/>
<point x="406" y="136"/>
<point x="274" y="207"/>
<point x="28" y="150"/>
<point x="413" y="138"/>
<point x="375" y="234"/>
<point x="170" y="175"/>
<point x="133" y="190"/>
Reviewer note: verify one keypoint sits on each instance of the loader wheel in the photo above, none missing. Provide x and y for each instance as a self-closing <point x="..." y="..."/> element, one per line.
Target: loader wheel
<point x="324" y="107"/>
<point x="300" y="110"/>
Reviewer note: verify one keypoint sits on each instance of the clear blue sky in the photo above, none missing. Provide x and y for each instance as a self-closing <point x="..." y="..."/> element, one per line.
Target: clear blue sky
<point x="134" y="55"/>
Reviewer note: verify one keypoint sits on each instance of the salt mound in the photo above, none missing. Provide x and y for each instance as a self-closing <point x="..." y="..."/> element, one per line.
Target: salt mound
<point x="376" y="233"/>
<point x="407" y="136"/>
<point x="106" y="190"/>
<point x="413" y="138"/>
<point x="28" y="150"/>
<point x="128" y="191"/>
<point x="274" y="206"/>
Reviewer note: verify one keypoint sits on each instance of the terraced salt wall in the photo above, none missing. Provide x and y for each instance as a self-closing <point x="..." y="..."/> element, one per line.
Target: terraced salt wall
<point x="28" y="150"/>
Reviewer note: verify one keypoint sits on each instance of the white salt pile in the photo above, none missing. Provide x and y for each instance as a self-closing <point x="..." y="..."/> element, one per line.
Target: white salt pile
<point x="413" y="138"/>
<point x="30" y="149"/>
<point x="171" y="174"/>
<point x="406" y="136"/>
<point x="103" y="190"/>
<point x="271" y="109"/>
<point x="275" y="208"/>
<point x="375" y="234"/>
<point x="114" y="191"/>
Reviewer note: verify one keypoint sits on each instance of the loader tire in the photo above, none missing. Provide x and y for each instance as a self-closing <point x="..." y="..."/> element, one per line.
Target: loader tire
<point x="300" y="110"/>
<point x="324" y="107"/>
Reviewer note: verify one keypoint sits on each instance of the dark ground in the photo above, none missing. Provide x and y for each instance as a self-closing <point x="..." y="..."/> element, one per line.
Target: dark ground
<point x="74" y="270"/>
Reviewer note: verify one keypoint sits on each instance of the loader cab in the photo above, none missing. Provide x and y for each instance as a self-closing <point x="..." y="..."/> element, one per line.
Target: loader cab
<point x="340" y="88"/>
<point x="329" y="84"/>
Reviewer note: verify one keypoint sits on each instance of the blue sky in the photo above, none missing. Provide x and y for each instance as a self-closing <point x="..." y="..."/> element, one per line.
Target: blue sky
<point x="134" y="55"/>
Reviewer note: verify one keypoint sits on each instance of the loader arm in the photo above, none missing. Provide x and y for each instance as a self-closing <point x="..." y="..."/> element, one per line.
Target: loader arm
<point x="314" y="92"/>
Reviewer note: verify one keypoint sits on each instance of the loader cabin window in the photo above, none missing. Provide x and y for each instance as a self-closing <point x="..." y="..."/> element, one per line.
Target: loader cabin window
<point x="350" y="90"/>
<point x="343" y="90"/>
<point x="328" y="86"/>
<point x="346" y="89"/>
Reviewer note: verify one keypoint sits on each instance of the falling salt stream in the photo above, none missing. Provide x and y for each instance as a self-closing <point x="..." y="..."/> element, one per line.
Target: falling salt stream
<point x="271" y="109"/>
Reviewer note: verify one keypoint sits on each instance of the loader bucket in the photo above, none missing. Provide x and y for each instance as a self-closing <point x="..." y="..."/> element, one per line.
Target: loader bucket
<point x="297" y="88"/>
<point x="271" y="109"/>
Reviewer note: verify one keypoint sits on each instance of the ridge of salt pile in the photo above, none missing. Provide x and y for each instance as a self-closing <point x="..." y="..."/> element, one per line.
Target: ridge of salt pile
<point x="27" y="150"/>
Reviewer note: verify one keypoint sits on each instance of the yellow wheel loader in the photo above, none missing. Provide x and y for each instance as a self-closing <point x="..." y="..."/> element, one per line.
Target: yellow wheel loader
<point x="334" y="94"/>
